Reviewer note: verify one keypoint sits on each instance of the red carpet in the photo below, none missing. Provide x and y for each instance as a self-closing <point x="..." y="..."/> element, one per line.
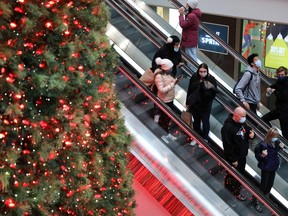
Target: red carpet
<point x="146" y="203"/>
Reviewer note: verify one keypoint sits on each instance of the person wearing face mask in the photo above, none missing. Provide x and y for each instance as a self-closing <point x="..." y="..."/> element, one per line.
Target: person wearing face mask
<point x="166" y="92"/>
<point x="201" y="92"/>
<point x="170" y="50"/>
<point x="235" y="137"/>
<point x="280" y="90"/>
<point x="189" y="22"/>
<point x="268" y="162"/>
<point x="248" y="89"/>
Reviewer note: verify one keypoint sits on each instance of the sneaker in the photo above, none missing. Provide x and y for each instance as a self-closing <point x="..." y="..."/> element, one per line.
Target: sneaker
<point x="171" y="137"/>
<point x="193" y="143"/>
<point x="165" y="139"/>
<point x="156" y="118"/>
<point x="199" y="146"/>
<point x="258" y="206"/>
<point x="241" y="197"/>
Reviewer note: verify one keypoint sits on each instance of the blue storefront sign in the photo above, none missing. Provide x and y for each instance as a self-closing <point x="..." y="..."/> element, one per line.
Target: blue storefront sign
<point x="207" y="43"/>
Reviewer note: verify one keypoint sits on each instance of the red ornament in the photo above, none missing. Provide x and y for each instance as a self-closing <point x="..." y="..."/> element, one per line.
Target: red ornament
<point x="10" y="203"/>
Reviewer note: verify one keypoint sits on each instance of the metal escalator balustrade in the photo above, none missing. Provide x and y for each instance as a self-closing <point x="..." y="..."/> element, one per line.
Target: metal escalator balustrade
<point x="213" y="155"/>
<point x="254" y="117"/>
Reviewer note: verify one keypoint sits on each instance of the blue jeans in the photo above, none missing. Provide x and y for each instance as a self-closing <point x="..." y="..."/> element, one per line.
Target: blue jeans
<point x="191" y="51"/>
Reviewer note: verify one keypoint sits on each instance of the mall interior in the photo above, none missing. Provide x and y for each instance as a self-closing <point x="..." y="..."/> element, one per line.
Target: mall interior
<point x="175" y="178"/>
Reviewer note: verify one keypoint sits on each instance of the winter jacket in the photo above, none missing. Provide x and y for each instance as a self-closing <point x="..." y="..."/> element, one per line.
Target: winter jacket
<point x="166" y="86"/>
<point x="164" y="52"/>
<point x="190" y="27"/>
<point x="271" y="161"/>
<point x="251" y="94"/>
<point x="235" y="138"/>
<point x="281" y="93"/>
<point x="198" y="97"/>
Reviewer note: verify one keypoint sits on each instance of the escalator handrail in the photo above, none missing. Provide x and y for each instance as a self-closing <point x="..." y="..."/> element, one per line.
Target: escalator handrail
<point x="232" y="97"/>
<point x="249" y="186"/>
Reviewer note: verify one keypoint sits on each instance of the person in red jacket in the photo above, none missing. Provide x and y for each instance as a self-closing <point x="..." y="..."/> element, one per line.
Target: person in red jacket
<point x="189" y="22"/>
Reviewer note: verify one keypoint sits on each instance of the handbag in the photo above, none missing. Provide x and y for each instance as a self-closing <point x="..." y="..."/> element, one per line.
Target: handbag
<point x="148" y="77"/>
<point x="187" y="118"/>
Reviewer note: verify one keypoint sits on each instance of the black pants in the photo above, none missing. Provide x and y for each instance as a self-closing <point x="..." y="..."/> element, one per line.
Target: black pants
<point x="267" y="180"/>
<point x="164" y="120"/>
<point x="202" y="116"/>
<point x="253" y="107"/>
<point x="283" y="119"/>
<point x="231" y="183"/>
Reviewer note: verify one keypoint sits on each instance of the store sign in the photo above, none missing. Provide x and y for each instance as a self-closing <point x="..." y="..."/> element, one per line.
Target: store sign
<point x="207" y="43"/>
<point x="276" y="46"/>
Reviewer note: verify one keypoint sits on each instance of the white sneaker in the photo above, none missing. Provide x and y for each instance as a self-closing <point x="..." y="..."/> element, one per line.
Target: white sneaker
<point x="165" y="138"/>
<point x="199" y="146"/>
<point x="193" y="143"/>
<point x="156" y="118"/>
<point x="170" y="136"/>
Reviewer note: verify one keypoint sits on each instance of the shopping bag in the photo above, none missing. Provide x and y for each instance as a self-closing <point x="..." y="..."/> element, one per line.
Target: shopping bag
<point x="187" y="117"/>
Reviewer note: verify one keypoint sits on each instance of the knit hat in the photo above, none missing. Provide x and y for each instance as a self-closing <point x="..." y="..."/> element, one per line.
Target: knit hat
<point x="192" y="3"/>
<point x="173" y="39"/>
<point x="166" y="64"/>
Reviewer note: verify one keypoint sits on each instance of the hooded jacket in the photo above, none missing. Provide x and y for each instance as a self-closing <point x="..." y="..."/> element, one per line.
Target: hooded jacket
<point x="190" y="27"/>
<point x="235" y="138"/>
<point x="252" y="92"/>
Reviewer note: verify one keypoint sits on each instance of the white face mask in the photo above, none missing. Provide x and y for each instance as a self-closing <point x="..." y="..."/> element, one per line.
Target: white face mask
<point x="274" y="139"/>
<point x="258" y="63"/>
<point x="203" y="74"/>
<point x="242" y="119"/>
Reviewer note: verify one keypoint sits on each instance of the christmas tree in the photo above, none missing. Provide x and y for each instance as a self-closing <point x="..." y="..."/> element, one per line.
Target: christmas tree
<point x="63" y="140"/>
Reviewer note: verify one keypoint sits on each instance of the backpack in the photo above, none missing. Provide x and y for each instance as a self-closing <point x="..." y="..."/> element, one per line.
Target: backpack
<point x="241" y="78"/>
<point x="258" y="150"/>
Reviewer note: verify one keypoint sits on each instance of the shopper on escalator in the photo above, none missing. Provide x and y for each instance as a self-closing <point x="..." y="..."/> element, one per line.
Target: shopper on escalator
<point x="170" y="50"/>
<point x="248" y="89"/>
<point x="235" y="137"/>
<point x="280" y="90"/>
<point x="189" y="22"/>
<point x="268" y="162"/>
<point x="200" y="95"/>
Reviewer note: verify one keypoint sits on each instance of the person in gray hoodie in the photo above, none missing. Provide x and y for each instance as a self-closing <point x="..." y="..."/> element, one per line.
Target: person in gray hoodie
<point x="248" y="88"/>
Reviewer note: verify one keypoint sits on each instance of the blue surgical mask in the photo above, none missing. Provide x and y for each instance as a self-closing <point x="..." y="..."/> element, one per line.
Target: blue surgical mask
<point x="176" y="49"/>
<point x="274" y="139"/>
<point x="258" y="63"/>
<point x="242" y="119"/>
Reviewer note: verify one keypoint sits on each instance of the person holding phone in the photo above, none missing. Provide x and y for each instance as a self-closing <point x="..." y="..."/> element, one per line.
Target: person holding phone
<point x="201" y="93"/>
<point x="165" y="84"/>
<point x="268" y="162"/>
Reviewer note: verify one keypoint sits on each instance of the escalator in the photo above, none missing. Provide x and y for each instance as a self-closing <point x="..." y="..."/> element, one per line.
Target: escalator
<point x="219" y="112"/>
<point x="203" y="169"/>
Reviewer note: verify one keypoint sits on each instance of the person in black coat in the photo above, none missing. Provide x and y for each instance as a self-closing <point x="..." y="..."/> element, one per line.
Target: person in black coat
<point x="280" y="90"/>
<point x="235" y="137"/>
<point x="201" y="92"/>
<point x="171" y="51"/>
